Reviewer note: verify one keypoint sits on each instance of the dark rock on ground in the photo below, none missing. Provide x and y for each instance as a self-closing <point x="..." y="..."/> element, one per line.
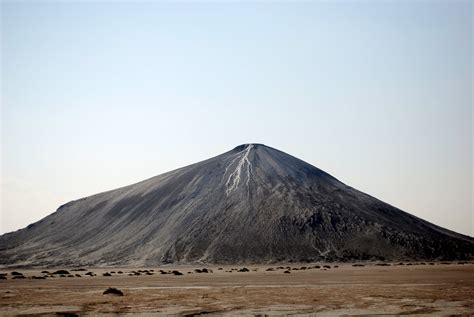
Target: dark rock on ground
<point x="113" y="291"/>
<point x="67" y="314"/>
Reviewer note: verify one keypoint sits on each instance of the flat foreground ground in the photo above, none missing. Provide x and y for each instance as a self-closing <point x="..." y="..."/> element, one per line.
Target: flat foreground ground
<point x="437" y="289"/>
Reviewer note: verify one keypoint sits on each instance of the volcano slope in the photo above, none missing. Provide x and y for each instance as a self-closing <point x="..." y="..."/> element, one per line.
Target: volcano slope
<point x="253" y="204"/>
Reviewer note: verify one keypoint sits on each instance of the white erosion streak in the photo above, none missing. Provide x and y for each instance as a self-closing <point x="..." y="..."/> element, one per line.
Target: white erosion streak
<point x="328" y="247"/>
<point x="231" y="163"/>
<point x="234" y="178"/>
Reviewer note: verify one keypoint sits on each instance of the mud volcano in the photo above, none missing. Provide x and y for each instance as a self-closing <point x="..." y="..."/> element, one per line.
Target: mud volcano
<point x="253" y="204"/>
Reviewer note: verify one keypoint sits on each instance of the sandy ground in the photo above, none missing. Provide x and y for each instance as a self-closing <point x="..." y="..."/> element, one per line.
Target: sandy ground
<point x="421" y="290"/>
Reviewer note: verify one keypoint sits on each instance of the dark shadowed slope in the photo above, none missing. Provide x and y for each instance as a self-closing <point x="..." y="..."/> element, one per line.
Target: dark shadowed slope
<point x="251" y="204"/>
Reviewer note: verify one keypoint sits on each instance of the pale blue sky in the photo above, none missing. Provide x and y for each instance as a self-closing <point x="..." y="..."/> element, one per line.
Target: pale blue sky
<point x="100" y="95"/>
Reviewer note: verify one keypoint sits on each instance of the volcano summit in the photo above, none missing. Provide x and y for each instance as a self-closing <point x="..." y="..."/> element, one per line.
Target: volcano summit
<point x="253" y="204"/>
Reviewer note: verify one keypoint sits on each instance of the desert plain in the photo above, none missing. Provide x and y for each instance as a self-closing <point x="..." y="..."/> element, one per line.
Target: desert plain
<point x="308" y="289"/>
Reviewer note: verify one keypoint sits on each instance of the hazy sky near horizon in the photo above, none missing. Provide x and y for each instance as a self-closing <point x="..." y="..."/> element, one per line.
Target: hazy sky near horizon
<point x="100" y="95"/>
